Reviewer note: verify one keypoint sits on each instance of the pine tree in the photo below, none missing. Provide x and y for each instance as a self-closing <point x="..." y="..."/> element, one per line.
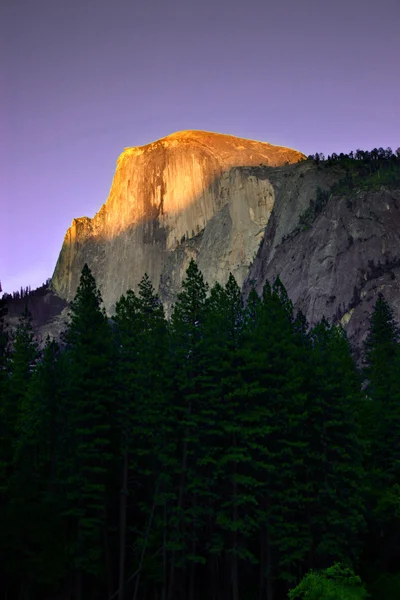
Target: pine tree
<point x="143" y="410"/>
<point x="187" y="331"/>
<point x="273" y="403"/>
<point x="4" y="439"/>
<point x="88" y="450"/>
<point x="36" y="485"/>
<point x="334" y="583"/>
<point x="380" y="352"/>
<point x="283" y="377"/>
<point x="380" y="349"/>
<point x="4" y="368"/>
<point x="23" y="359"/>
<point x="335" y="463"/>
<point x="3" y="343"/>
<point x="218" y="462"/>
<point x="381" y="420"/>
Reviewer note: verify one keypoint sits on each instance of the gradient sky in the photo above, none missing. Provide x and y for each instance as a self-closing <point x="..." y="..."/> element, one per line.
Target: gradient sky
<point x="82" y="79"/>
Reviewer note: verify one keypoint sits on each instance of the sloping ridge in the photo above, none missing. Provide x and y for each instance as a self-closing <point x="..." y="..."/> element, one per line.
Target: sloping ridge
<point x="229" y="148"/>
<point x="166" y="192"/>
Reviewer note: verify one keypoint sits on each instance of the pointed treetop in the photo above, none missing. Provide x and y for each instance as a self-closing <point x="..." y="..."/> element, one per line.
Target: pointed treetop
<point x="383" y="326"/>
<point x="191" y="299"/>
<point x="149" y="300"/>
<point x="381" y="344"/>
<point x="279" y="290"/>
<point x="87" y="316"/>
<point x="87" y="293"/>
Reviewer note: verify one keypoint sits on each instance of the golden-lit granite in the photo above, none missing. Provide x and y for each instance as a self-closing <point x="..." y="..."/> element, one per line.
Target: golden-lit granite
<point x="181" y="196"/>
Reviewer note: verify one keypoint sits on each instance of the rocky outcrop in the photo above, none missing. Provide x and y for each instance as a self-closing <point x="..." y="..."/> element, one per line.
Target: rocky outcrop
<point x="234" y="205"/>
<point x="49" y="313"/>
<point x="184" y="195"/>
<point x="336" y="266"/>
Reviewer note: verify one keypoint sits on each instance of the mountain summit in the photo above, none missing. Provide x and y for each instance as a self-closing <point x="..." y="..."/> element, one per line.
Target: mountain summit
<point x="329" y="228"/>
<point x="187" y="187"/>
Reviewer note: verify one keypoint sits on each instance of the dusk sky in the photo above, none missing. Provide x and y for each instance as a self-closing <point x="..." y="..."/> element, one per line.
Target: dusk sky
<point x="80" y="80"/>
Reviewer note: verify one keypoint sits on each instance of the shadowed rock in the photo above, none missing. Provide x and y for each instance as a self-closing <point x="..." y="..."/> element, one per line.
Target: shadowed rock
<point x="164" y="194"/>
<point x="336" y="267"/>
<point x="234" y="205"/>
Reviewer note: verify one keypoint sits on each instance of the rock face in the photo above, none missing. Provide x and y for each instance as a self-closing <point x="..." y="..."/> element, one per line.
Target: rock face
<point x="184" y="195"/>
<point x="49" y="313"/>
<point x="234" y="206"/>
<point x="336" y="267"/>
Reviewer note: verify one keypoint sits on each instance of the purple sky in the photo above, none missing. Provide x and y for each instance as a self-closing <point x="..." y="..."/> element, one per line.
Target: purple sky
<point x="82" y="79"/>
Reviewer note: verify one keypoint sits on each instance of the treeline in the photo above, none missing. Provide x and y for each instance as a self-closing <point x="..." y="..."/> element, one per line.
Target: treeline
<point x="360" y="170"/>
<point x="363" y="169"/>
<point x="377" y="154"/>
<point x="26" y="292"/>
<point x="227" y="453"/>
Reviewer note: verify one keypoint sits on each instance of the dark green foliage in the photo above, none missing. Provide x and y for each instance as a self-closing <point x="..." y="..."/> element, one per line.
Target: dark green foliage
<point x="3" y="340"/>
<point x="142" y="410"/>
<point x="381" y="372"/>
<point x="274" y="421"/>
<point x="381" y="415"/>
<point x="23" y="359"/>
<point x="14" y="412"/>
<point x="187" y="333"/>
<point x="368" y="174"/>
<point x="356" y="170"/>
<point x="334" y="583"/>
<point x="89" y="400"/>
<point x="5" y="433"/>
<point x="380" y="348"/>
<point x="335" y="455"/>
<point x="315" y="208"/>
<point x="4" y="366"/>
<point x="223" y="454"/>
<point x="385" y="585"/>
<point x="143" y="351"/>
<point x="36" y="487"/>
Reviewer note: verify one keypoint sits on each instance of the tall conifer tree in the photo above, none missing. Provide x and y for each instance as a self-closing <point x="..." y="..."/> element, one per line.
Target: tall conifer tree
<point x="89" y="397"/>
<point x="36" y="482"/>
<point x="382" y="429"/>
<point x="187" y="331"/>
<point x="222" y="447"/>
<point x="22" y="363"/>
<point x="335" y="460"/>
<point x="143" y="410"/>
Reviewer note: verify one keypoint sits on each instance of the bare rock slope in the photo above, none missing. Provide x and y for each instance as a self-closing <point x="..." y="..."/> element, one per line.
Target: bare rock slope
<point x="337" y="266"/>
<point x="182" y="196"/>
<point x="234" y="206"/>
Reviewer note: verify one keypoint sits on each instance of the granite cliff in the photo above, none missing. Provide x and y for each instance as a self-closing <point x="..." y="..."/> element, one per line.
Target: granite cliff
<point x="187" y="186"/>
<point x="336" y="266"/>
<point x="236" y="205"/>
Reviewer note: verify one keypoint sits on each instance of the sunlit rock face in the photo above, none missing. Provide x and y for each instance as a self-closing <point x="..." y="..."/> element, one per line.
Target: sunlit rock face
<point x="190" y="194"/>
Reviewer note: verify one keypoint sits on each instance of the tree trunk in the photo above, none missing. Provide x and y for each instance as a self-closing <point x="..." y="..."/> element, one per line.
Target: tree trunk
<point x="234" y="565"/>
<point x="122" y="528"/>
<point x="165" y="558"/>
<point x="180" y="501"/>
<point x="146" y="539"/>
<point x="192" y="570"/>
<point x="270" y="588"/>
<point x="78" y="585"/>
<point x="109" y="570"/>
<point x="211" y="569"/>
<point x="263" y="563"/>
<point x="311" y="555"/>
